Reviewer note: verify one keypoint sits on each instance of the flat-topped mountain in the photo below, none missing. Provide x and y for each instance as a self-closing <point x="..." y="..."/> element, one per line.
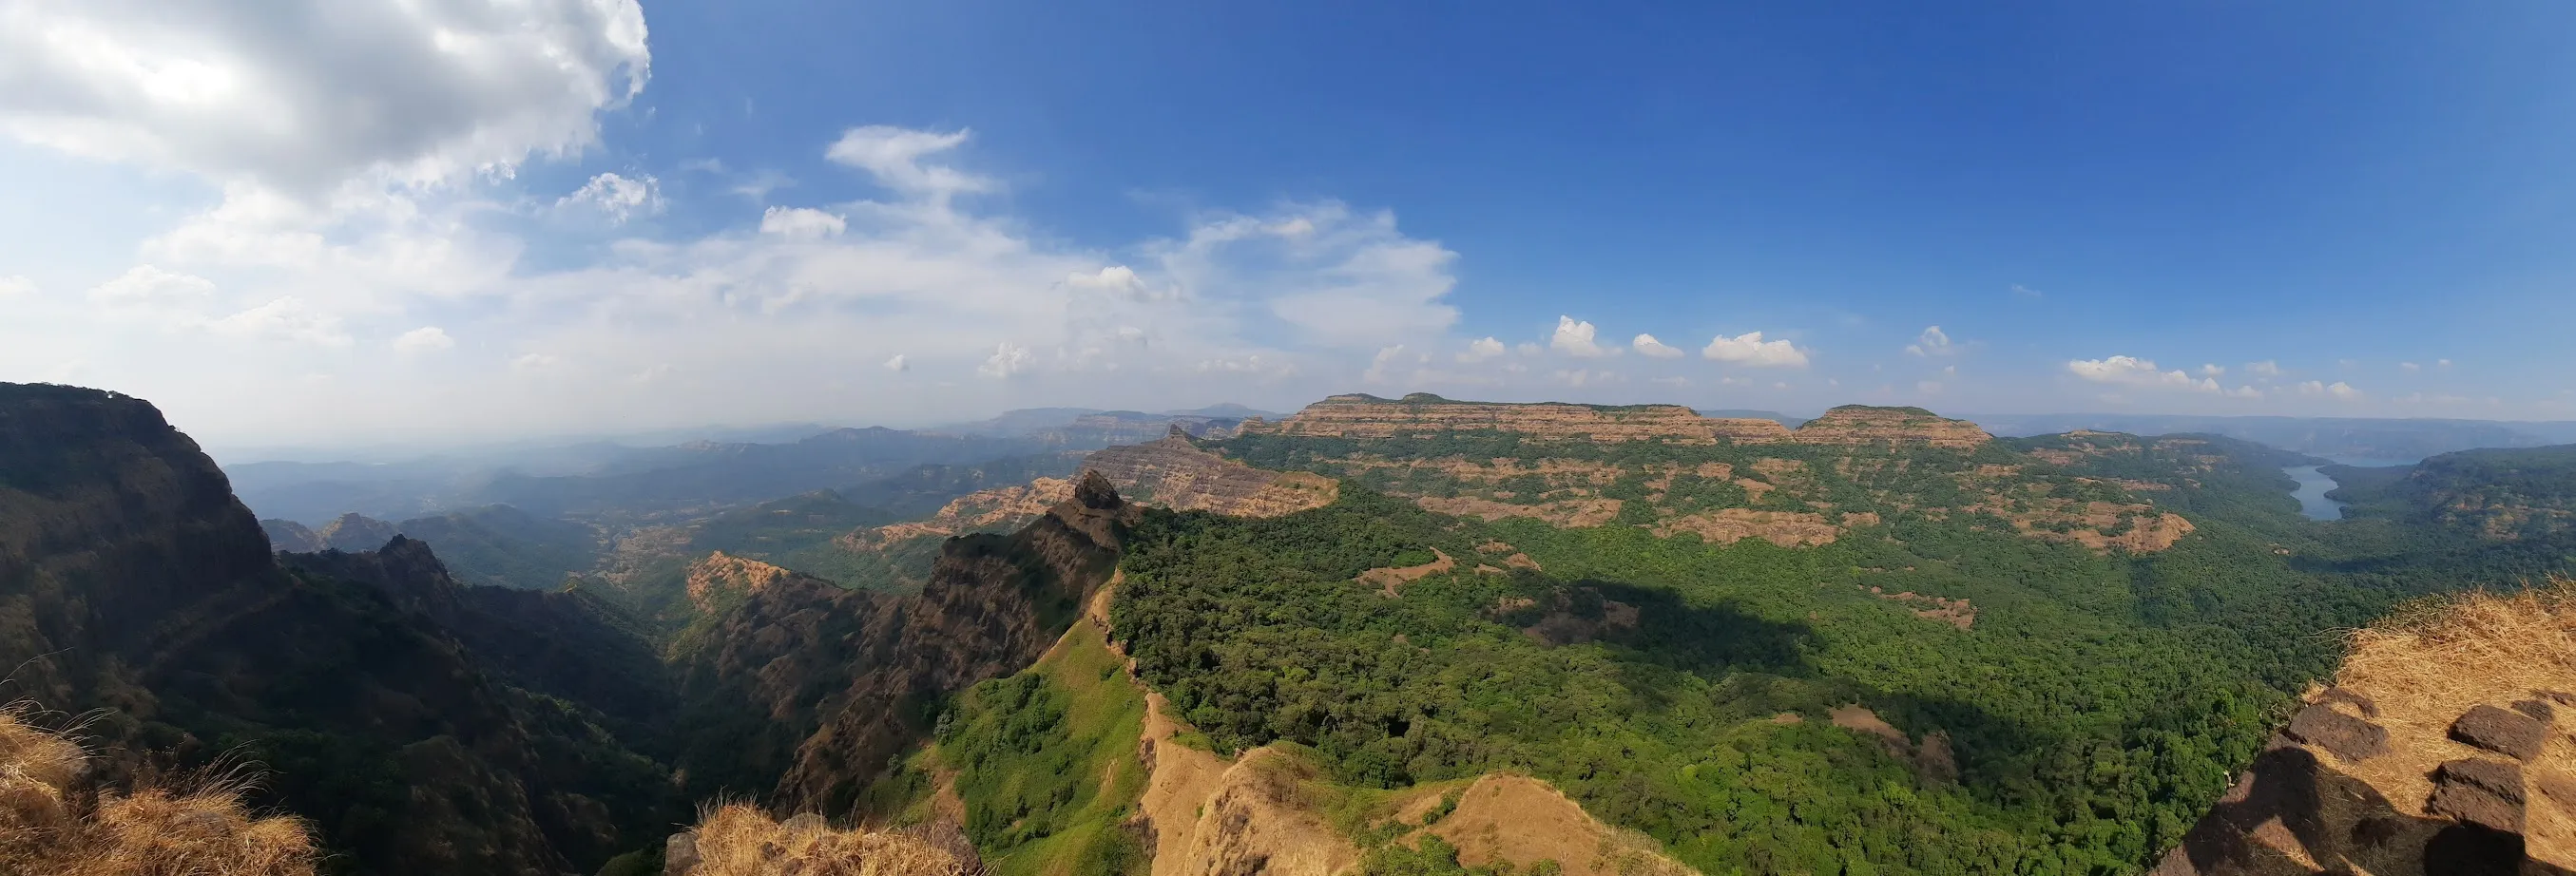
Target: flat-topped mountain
<point x="1420" y="414"/>
<point x="1866" y="425"/>
<point x="1427" y="415"/>
<point x="1174" y="473"/>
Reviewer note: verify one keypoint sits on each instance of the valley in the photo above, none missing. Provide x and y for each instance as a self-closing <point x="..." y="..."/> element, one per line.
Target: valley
<point x="1374" y="636"/>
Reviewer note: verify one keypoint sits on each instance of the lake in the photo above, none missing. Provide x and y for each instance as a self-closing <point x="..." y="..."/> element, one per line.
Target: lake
<point x="2313" y="485"/>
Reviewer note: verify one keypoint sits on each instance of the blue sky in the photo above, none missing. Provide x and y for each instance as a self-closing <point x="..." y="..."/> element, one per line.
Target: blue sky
<point x="364" y="220"/>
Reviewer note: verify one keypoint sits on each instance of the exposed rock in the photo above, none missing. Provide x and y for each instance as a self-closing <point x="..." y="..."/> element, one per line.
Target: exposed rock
<point x="1869" y="425"/>
<point x="1174" y="473"/>
<point x="1388" y="579"/>
<point x="2482" y="792"/>
<point x="2345" y="736"/>
<point x="1423" y="414"/>
<point x="2512" y="734"/>
<point x="838" y="677"/>
<point x="2368" y="707"/>
<point x="1518" y="820"/>
<point x="2537" y="709"/>
<point x="1564" y="513"/>
<point x="980" y="511"/>
<point x="288" y="535"/>
<point x="355" y="532"/>
<point x="680" y="854"/>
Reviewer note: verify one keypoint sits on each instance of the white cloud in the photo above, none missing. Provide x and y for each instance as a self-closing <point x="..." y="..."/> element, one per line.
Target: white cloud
<point x="1581" y="377"/>
<point x="148" y="286"/>
<point x="1750" y="349"/>
<point x="2441" y="363"/>
<point x="1928" y="387"/>
<point x="1378" y="364"/>
<point x="801" y="223"/>
<point x="285" y="319"/>
<point x="1675" y="381"/>
<point x="1340" y="277"/>
<point x="894" y="156"/>
<point x="1647" y="346"/>
<point x="2266" y="369"/>
<point x="1574" y="338"/>
<point x="424" y="339"/>
<point x="303" y="95"/>
<point x="2337" y="390"/>
<point x="2207" y="370"/>
<point x="13" y="287"/>
<point x="1008" y="360"/>
<point x="2021" y="291"/>
<point x="618" y="198"/>
<point x="1931" y="343"/>
<point x="1481" y="349"/>
<point x="898" y="364"/>
<point x="536" y="362"/>
<point x="2142" y="373"/>
<point x="2409" y="367"/>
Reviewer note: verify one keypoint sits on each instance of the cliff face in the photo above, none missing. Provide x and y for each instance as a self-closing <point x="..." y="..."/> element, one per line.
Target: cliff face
<point x="1365" y="416"/>
<point x="133" y="583"/>
<point x="1862" y="425"/>
<point x="847" y="674"/>
<point x="1173" y="473"/>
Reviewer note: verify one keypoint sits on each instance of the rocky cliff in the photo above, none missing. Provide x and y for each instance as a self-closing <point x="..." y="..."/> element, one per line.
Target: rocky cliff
<point x="132" y="583"/>
<point x="846" y="674"/>
<point x="1423" y="414"/>
<point x="1175" y="473"/>
<point x="1864" y="425"/>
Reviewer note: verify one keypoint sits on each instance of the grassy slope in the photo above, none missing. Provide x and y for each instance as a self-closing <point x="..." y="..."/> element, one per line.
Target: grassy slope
<point x="1046" y="764"/>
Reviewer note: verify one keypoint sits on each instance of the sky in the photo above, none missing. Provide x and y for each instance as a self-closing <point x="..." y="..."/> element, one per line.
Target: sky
<point x="316" y="221"/>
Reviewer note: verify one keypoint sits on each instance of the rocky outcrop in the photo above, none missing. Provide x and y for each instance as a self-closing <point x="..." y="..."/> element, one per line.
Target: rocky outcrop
<point x="1865" y="425"/>
<point x="1174" y="473"/>
<point x="288" y="535"/>
<point x="134" y="584"/>
<point x="354" y="532"/>
<point x="1426" y="415"/>
<point x="979" y="511"/>
<point x="836" y="681"/>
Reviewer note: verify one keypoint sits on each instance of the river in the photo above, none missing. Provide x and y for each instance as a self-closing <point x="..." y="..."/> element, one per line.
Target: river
<point x="2313" y="485"/>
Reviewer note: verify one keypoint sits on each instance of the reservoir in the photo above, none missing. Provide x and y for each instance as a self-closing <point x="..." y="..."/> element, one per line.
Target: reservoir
<point x="2311" y="493"/>
<point x="2313" y="485"/>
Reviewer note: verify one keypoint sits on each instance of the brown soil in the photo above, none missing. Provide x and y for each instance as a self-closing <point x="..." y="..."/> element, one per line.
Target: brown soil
<point x="1725" y="526"/>
<point x="1520" y="820"/>
<point x="1566" y="513"/>
<point x="1955" y="612"/>
<point x="1388" y="579"/>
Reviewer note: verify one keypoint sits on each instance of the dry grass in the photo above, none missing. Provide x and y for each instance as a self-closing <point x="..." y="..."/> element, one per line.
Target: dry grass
<point x="739" y="840"/>
<point x="2435" y="659"/>
<point x="48" y="826"/>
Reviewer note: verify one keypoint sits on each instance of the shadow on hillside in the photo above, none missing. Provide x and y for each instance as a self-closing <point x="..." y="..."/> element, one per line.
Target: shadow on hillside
<point x="2290" y="798"/>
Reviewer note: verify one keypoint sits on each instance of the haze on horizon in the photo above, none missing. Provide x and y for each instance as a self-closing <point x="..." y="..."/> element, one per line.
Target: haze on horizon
<point x="310" y="223"/>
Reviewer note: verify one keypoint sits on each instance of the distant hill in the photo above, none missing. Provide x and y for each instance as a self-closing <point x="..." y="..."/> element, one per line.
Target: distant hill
<point x="2390" y="439"/>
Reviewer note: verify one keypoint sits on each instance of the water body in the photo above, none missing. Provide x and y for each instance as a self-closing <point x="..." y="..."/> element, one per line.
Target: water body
<point x="2313" y="485"/>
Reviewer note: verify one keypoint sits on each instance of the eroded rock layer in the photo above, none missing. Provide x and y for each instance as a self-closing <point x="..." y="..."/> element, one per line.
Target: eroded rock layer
<point x="1422" y="414"/>
<point x="1174" y="473"/>
<point x="1863" y="425"/>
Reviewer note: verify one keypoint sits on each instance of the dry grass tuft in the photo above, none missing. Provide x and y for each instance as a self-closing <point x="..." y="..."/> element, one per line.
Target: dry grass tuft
<point x="47" y="826"/>
<point x="739" y="840"/>
<point x="2434" y="659"/>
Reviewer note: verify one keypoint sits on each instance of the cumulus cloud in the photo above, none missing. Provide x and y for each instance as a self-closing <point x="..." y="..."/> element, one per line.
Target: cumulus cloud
<point x="1574" y="338"/>
<point x="1646" y="345"/>
<point x="2409" y="367"/>
<point x="1931" y="343"/>
<point x="2338" y="390"/>
<point x="1008" y="360"/>
<point x="2143" y="374"/>
<point x="424" y="339"/>
<point x="2021" y="291"/>
<point x="1750" y="349"/>
<point x="536" y="362"/>
<point x="1481" y="349"/>
<point x="801" y="223"/>
<point x="14" y="287"/>
<point x="2265" y="369"/>
<point x="245" y="92"/>
<point x="616" y="197"/>
<point x="898" y="364"/>
<point x="2207" y="370"/>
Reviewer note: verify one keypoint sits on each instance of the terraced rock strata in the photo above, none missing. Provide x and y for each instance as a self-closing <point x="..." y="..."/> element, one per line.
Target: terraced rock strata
<point x="1864" y="425"/>
<point x="1174" y="473"/>
<point x="1423" y="415"/>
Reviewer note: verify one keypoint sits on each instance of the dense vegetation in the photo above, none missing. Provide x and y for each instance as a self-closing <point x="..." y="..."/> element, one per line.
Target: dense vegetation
<point x="1045" y="763"/>
<point x="2096" y="707"/>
